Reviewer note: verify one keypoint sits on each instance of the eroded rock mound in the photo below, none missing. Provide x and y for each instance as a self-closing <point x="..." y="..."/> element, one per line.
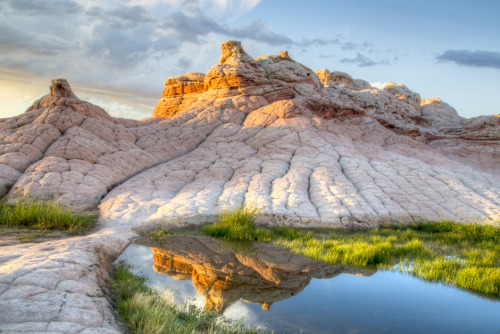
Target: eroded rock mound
<point x="72" y="151"/>
<point x="61" y="95"/>
<point x="268" y="132"/>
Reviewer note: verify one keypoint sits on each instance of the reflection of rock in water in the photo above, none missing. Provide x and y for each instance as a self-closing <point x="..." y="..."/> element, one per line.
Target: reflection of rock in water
<point x="263" y="274"/>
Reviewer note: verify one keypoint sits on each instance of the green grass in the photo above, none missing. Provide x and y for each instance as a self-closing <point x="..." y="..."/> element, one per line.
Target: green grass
<point x="159" y="234"/>
<point x="237" y="224"/>
<point x="39" y="215"/>
<point x="461" y="255"/>
<point x="145" y="310"/>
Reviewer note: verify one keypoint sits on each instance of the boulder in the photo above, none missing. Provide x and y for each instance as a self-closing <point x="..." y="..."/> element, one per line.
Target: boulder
<point x="402" y="92"/>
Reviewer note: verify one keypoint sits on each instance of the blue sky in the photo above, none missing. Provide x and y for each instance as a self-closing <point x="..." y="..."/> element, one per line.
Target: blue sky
<point x="118" y="53"/>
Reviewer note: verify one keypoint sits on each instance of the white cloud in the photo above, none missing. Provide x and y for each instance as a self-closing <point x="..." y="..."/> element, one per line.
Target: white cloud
<point x="229" y="8"/>
<point x="241" y="309"/>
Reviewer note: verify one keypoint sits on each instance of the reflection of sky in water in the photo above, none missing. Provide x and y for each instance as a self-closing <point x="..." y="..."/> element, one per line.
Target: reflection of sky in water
<point x="141" y="258"/>
<point x="386" y="302"/>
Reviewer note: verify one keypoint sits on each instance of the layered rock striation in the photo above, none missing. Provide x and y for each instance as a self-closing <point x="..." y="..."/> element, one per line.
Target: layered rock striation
<point x="306" y="148"/>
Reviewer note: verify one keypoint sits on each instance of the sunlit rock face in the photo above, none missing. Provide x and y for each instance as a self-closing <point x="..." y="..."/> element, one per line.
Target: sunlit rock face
<point x="179" y="93"/>
<point x="337" y="78"/>
<point x="305" y="148"/>
<point x="259" y="274"/>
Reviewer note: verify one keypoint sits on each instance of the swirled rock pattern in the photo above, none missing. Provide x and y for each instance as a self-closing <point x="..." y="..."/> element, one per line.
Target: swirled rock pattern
<point x="74" y="152"/>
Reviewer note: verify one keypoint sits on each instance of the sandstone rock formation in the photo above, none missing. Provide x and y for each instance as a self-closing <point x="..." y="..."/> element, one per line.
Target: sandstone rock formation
<point x="179" y="93"/>
<point x="74" y="152"/>
<point x="321" y="150"/>
<point x="311" y="154"/>
<point x="267" y="132"/>
<point x="260" y="274"/>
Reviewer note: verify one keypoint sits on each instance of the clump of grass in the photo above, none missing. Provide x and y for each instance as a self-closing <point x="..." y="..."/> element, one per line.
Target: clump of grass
<point x="353" y="250"/>
<point x="290" y="233"/>
<point x="159" y="234"/>
<point x="145" y="310"/>
<point x="41" y="215"/>
<point x="483" y="280"/>
<point x="452" y="233"/>
<point x="237" y="224"/>
<point x="465" y="256"/>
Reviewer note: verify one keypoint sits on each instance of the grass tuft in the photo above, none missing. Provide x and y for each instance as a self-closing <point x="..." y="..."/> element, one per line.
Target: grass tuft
<point x="145" y="310"/>
<point x="237" y="224"/>
<point x="41" y="215"/>
<point x="159" y="234"/>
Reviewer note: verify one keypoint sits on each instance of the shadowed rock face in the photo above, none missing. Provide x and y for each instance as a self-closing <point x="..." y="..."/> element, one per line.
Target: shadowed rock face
<point x="261" y="274"/>
<point x="323" y="150"/>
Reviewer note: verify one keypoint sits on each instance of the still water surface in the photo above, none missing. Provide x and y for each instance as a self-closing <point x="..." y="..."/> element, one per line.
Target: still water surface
<point x="274" y="289"/>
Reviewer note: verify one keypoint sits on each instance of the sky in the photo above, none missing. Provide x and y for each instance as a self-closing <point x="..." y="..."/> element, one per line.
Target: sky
<point x="117" y="53"/>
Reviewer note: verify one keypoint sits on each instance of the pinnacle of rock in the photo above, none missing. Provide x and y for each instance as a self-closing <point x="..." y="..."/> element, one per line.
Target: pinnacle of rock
<point x="61" y="88"/>
<point x="232" y="49"/>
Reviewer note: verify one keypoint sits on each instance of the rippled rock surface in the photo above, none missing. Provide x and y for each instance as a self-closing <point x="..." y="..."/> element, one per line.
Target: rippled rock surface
<point x="310" y="149"/>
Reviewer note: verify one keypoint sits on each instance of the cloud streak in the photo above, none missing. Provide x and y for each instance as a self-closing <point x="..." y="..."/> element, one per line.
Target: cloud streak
<point x="479" y="58"/>
<point x="257" y="31"/>
<point x="364" y="61"/>
<point x="197" y="25"/>
<point x="355" y="46"/>
<point x="13" y="39"/>
<point x="305" y="43"/>
<point x="44" y="7"/>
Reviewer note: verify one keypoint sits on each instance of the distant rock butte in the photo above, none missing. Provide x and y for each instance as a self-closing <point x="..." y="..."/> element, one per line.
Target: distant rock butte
<point x="307" y="148"/>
